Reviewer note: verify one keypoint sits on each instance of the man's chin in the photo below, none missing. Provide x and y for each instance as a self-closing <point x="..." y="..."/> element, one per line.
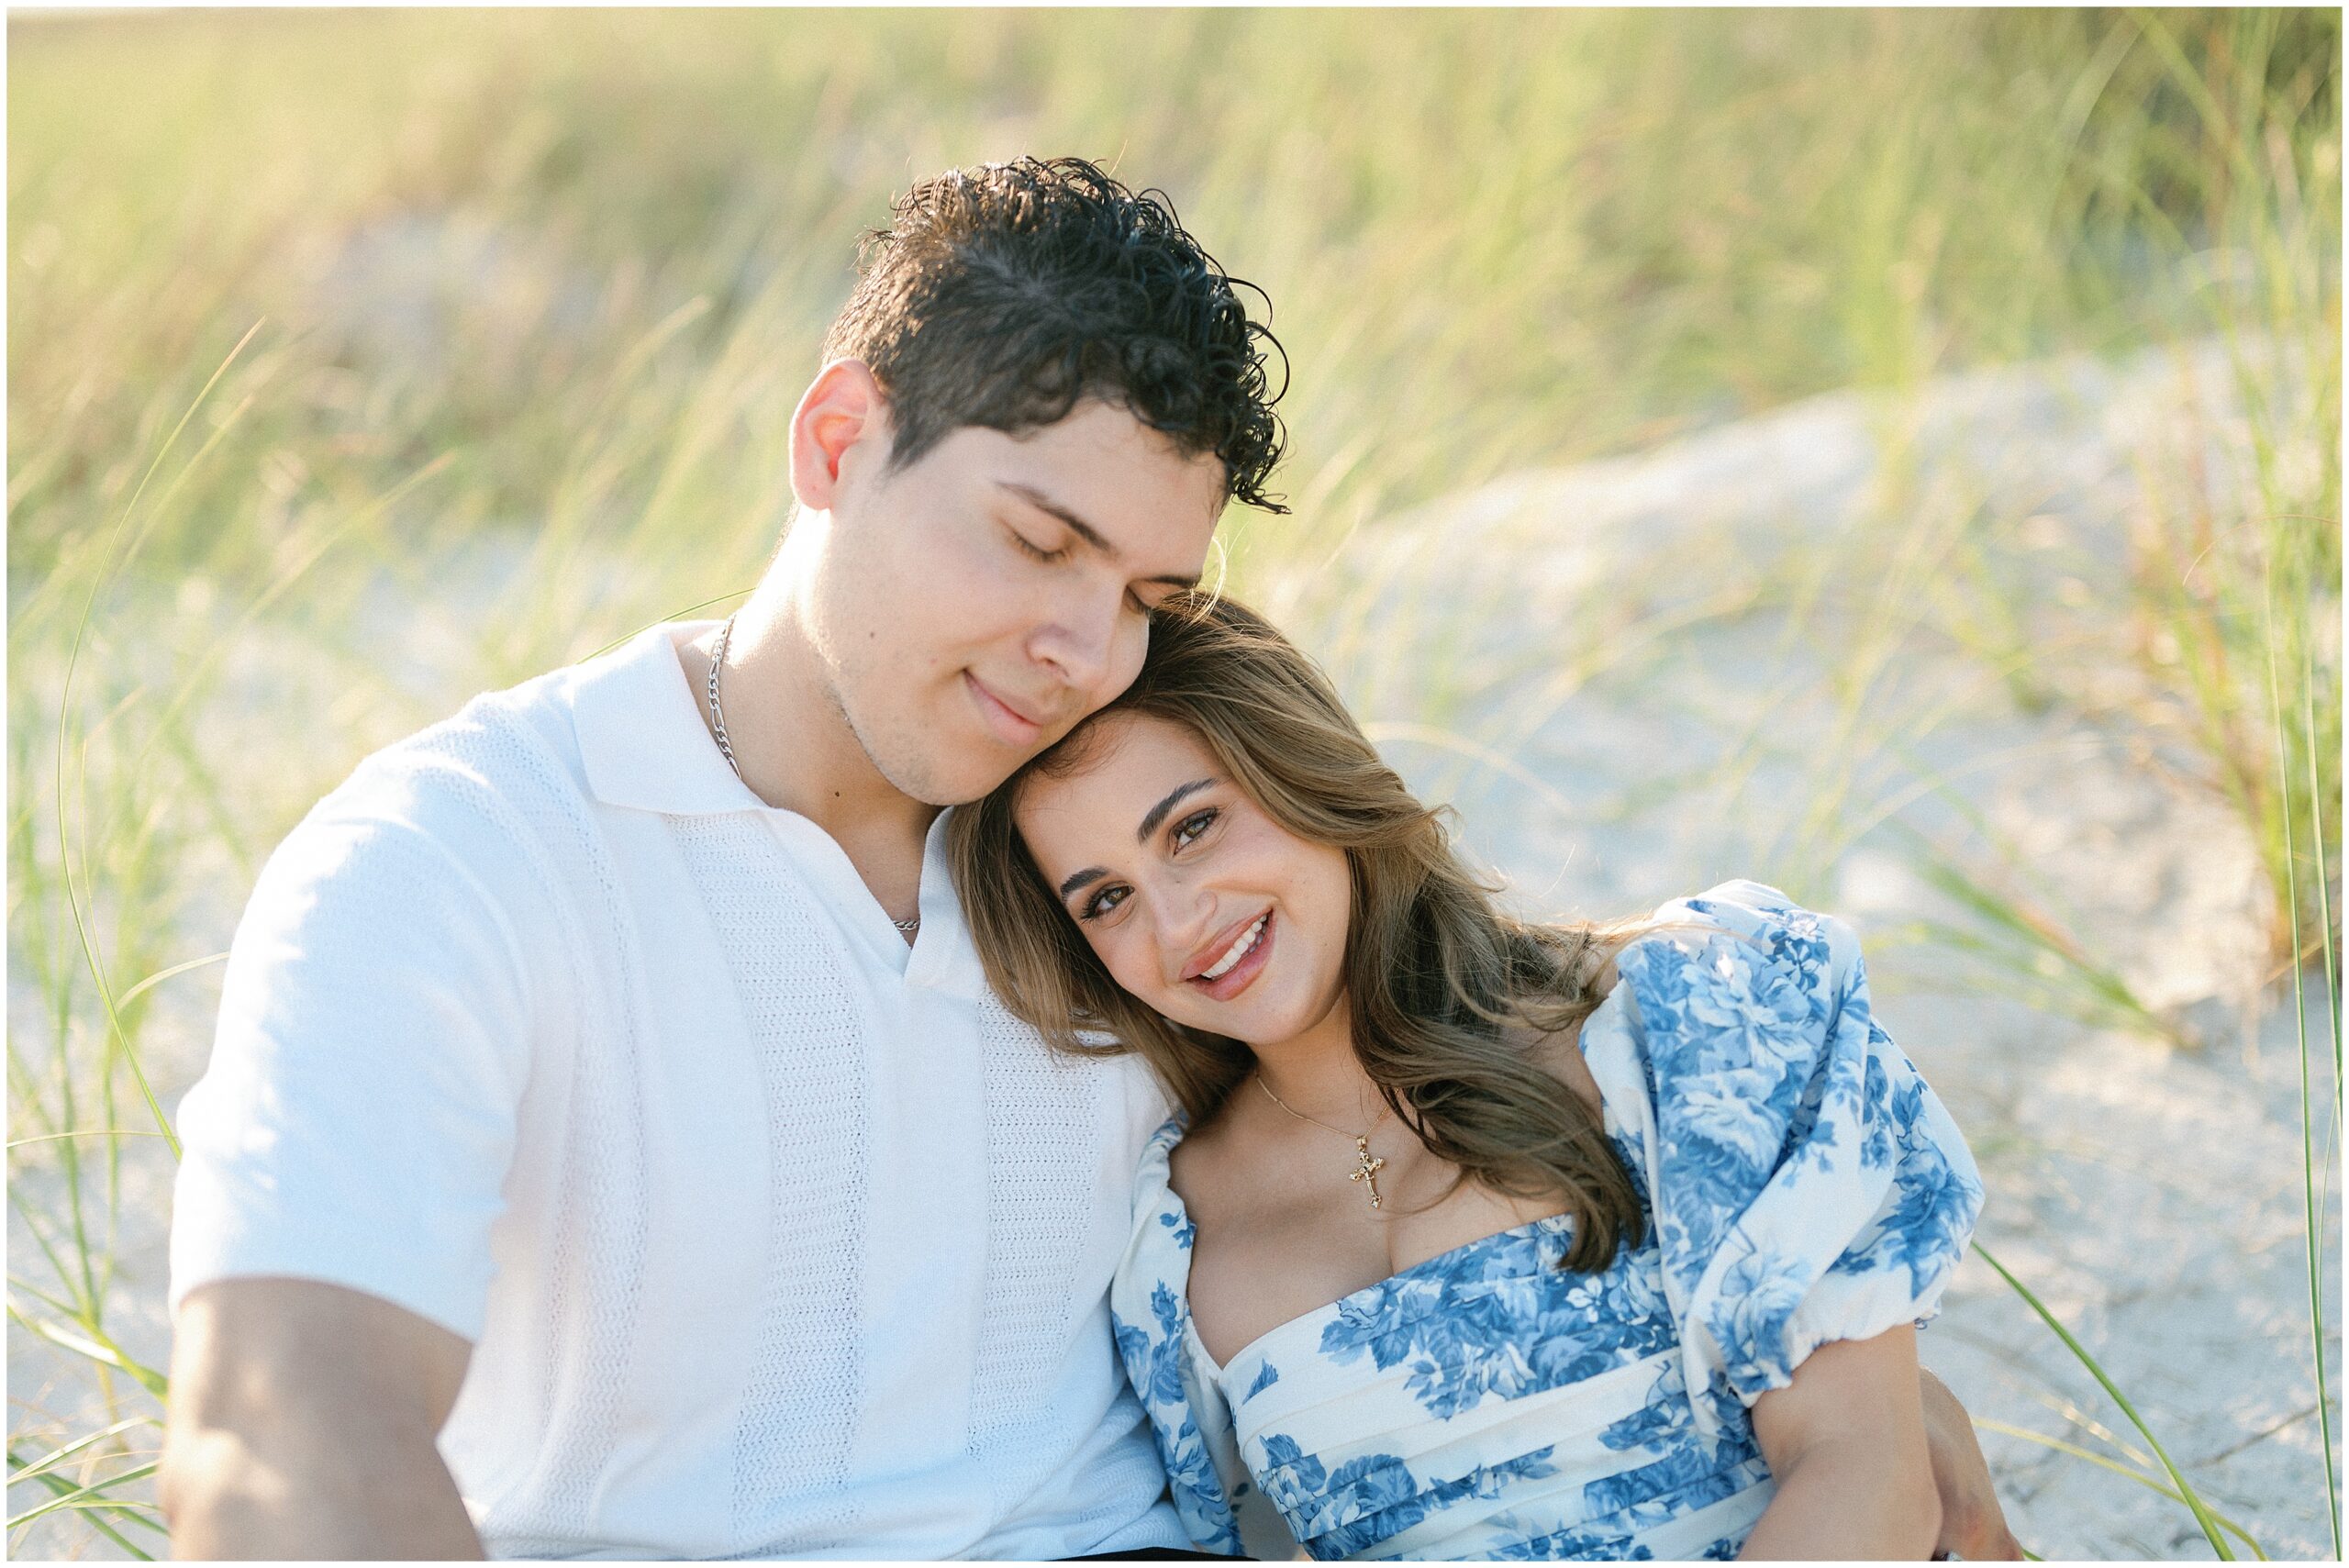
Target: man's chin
<point x="925" y="779"/>
<point x="924" y="774"/>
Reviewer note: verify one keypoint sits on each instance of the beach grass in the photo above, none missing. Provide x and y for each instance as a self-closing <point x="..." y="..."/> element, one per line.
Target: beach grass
<point x="280" y="490"/>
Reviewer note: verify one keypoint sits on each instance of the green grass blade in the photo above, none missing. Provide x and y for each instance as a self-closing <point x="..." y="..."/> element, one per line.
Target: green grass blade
<point x="102" y="1504"/>
<point x="2323" y="870"/>
<point x="95" y="1345"/>
<point x="2192" y="1499"/>
<point x="60" y="1486"/>
<point x="2132" y="1472"/>
<point x="85" y="1132"/>
<point x="92" y="1495"/>
<point x="162" y="974"/>
<point x="679" y="614"/>
<point x="2331" y="1020"/>
<point x="278" y="587"/>
<point x="49" y="1460"/>
<point x="105" y="566"/>
<point x="48" y="1250"/>
<point x="2312" y="1230"/>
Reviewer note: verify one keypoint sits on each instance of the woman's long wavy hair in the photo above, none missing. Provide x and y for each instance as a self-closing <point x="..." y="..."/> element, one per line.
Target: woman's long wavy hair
<point x="1443" y="987"/>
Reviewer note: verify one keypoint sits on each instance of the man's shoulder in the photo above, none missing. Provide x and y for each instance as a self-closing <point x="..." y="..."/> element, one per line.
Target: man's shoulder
<point x="503" y="760"/>
<point x="498" y="792"/>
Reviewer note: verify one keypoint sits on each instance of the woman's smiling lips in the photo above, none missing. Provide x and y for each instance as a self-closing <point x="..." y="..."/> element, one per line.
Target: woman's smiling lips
<point x="1010" y="726"/>
<point x="1233" y="981"/>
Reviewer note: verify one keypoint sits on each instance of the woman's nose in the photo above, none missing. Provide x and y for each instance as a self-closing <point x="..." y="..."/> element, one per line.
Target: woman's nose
<point x="1184" y="916"/>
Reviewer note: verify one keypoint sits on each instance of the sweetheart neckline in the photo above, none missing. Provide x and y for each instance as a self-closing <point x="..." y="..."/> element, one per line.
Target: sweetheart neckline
<point x="1222" y="1369"/>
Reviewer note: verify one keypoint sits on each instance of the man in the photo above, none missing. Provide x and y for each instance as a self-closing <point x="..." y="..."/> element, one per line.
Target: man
<point x="609" y="1147"/>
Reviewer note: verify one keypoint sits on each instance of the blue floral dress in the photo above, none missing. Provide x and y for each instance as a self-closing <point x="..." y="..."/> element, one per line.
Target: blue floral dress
<point x="1801" y="1183"/>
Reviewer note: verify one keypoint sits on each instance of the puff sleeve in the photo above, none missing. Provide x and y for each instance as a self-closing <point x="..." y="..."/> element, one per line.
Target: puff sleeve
<point x="1150" y="1315"/>
<point x="1807" y="1185"/>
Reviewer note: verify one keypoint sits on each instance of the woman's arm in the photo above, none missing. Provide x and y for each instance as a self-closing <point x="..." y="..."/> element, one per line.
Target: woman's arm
<point x="1973" y="1526"/>
<point x="1846" y="1443"/>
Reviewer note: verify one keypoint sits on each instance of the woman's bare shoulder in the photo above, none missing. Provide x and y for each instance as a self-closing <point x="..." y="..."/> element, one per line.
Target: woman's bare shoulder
<point x="1202" y="1160"/>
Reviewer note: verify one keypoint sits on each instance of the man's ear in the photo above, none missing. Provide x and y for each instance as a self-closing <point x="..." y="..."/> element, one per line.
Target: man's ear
<point x="842" y="425"/>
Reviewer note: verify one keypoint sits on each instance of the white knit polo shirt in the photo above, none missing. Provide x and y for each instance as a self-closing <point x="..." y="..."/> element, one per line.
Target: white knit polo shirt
<point x="772" y="1236"/>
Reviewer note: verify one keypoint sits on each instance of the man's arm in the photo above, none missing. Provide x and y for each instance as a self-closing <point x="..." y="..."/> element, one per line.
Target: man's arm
<point x="1973" y="1524"/>
<point x="302" y="1423"/>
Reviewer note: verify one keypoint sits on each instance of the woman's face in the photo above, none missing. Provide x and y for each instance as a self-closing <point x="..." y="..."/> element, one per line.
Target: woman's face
<point x="1196" y="900"/>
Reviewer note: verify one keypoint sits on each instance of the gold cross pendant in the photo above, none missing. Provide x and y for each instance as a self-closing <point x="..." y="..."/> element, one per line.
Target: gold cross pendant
<point x="1366" y="1167"/>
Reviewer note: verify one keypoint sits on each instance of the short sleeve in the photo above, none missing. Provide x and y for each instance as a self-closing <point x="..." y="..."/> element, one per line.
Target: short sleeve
<point x="1807" y="1185"/>
<point x="1150" y="1313"/>
<point x="356" y="1121"/>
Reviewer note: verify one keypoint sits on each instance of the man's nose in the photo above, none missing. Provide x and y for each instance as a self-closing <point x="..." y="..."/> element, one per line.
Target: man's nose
<point x="1077" y="642"/>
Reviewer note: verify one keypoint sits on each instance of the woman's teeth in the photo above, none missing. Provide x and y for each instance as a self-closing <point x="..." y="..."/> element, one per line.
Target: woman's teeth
<point x="1241" y="946"/>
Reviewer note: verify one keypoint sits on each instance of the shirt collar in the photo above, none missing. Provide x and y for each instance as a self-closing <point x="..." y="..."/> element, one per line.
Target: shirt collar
<point x="643" y="746"/>
<point x="642" y="740"/>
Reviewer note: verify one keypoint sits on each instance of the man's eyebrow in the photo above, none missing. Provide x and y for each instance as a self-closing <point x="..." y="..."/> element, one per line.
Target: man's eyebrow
<point x="1080" y="880"/>
<point x="1157" y="814"/>
<point x="1083" y="529"/>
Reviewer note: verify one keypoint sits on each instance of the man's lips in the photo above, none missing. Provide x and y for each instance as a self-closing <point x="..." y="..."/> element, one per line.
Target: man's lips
<point x="1011" y="723"/>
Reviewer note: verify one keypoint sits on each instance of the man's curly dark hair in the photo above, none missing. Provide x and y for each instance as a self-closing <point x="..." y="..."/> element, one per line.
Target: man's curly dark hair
<point x="1002" y="295"/>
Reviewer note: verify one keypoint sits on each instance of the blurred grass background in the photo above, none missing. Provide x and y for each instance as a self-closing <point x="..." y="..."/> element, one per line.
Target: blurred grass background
<point x="514" y="306"/>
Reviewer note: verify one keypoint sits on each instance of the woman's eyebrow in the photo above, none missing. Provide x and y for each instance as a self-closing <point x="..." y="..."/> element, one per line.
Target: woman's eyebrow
<point x="1157" y="814"/>
<point x="1080" y="880"/>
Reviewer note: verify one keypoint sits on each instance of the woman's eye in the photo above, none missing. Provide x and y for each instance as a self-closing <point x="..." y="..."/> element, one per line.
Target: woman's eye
<point x="1187" y="831"/>
<point x="1101" y="903"/>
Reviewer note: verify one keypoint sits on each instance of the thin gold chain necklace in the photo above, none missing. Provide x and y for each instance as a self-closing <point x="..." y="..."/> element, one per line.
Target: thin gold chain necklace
<point x="1367" y="1165"/>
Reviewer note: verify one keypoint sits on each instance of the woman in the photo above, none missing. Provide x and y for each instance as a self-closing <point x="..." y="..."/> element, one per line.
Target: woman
<point x="1471" y="1238"/>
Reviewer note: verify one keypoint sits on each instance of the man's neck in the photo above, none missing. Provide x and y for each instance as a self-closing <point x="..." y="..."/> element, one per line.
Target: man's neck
<point x="792" y="744"/>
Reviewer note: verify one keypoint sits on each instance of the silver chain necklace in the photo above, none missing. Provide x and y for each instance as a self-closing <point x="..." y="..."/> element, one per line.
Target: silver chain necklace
<point x="718" y="714"/>
<point x="726" y="748"/>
